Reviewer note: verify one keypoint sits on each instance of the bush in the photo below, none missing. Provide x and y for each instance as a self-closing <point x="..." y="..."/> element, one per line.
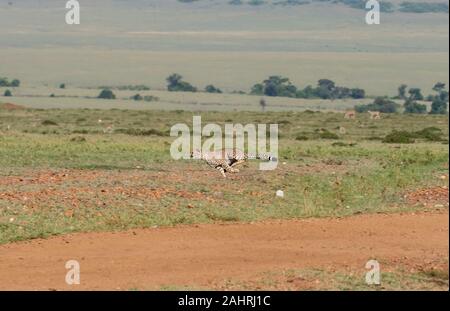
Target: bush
<point x="328" y="135"/>
<point x="150" y="98"/>
<point x="137" y="97"/>
<point x="107" y="94"/>
<point x="430" y="133"/>
<point x="212" y="89"/>
<point x="399" y="137"/>
<point x="62" y="86"/>
<point x="49" y="122"/>
<point x="301" y="138"/>
<point x="7" y="93"/>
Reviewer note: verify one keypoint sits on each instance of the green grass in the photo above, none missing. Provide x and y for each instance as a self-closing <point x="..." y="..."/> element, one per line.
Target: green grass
<point x="54" y="180"/>
<point x="321" y="279"/>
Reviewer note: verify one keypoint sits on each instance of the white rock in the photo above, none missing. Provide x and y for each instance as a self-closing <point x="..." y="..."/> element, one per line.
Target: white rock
<point x="280" y="193"/>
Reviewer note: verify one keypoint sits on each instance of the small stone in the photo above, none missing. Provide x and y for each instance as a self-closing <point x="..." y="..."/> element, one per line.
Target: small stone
<point x="280" y="193"/>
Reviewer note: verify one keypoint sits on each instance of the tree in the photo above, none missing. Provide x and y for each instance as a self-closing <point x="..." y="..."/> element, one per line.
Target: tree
<point x="279" y="86"/>
<point x="173" y="80"/>
<point x="137" y="97"/>
<point x="439" y="87"/>
<point x="358" y="93"/>
<point x="257" y="89"/>
<point x="440" y="101"/>
<point x="411" y="106"/>
<point x="307" y="92"/>
<point x="327" y="84"/>
<point x="325" y="89"/>
<point x="5" y="82"/>
<point x="402" y="91"/>
<point x="107" y="94"/>
<point x="275" y="86"/>
<point x="415" y="94"/>
<point x="438" y="106"/>
<point x="62" y="86"/>
<point x="176" y="84"/>
<point x="7" y="93"/>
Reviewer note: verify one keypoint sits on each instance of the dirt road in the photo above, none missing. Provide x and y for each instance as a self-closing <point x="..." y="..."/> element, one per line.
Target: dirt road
<point x="206" y="255"/>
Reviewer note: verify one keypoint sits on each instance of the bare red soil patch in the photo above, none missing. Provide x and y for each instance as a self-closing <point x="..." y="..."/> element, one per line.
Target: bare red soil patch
<point x="429" y="197"/>
<point x="207" y="255"/>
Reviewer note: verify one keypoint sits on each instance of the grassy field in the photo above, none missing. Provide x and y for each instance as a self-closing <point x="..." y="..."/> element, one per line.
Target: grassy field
<point x="60" y="173"/>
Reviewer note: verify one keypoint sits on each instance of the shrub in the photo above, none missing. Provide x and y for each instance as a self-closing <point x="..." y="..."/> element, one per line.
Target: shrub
<point x="150" y="98"/>
<point x="7" y="93"/>
<point x="48" y="122"/>
<point x="106" y="94"/>
<point x="212" y="89"/>
<point x="399" y="137"/>
<point x="328" y="135"/>
<point x="430" y="133"/>
<point x="137" y="97"/>
<point x="301" y="137"/>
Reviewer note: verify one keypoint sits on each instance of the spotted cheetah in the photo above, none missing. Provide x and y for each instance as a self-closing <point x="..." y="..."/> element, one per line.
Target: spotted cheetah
<point x="226" y="160"/>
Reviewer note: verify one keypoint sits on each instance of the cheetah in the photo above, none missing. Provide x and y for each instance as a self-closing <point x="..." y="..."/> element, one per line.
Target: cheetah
<point x="226" y="160"/>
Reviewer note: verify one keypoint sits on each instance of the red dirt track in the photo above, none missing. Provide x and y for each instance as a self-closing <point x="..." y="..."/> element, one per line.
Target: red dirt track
<point x="207" y="255"/>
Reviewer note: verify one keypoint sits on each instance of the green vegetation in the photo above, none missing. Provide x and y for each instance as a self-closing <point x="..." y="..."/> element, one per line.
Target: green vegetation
<point x="380" y="104"/>
<point x="4" y="82"/>
<point x="404" y="137"/>
<point x="107" y="94"/>
<point x="7" y="93"/>
<point x="126" y="178"/>
<point x="345" y="280"/>
<point x="277" y="86"/>
<point x="212" y="89"/>
<point x="439" y="102"/>
<point x="423" y="7"/>
<point x="176" y="84"/>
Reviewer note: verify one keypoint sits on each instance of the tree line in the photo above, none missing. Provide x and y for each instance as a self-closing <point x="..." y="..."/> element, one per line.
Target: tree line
<point x="411" y="98"/>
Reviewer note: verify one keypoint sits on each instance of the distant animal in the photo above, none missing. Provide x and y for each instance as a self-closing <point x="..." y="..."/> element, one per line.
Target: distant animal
<point x="109" y="129"/>
<point x="375" y="115"/>
<point x="226" y="160"/>
<point x="350" y="114"/>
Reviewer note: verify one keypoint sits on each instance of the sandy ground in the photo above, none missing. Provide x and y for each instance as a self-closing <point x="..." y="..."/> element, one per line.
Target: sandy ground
<point x="204" y="256"/>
